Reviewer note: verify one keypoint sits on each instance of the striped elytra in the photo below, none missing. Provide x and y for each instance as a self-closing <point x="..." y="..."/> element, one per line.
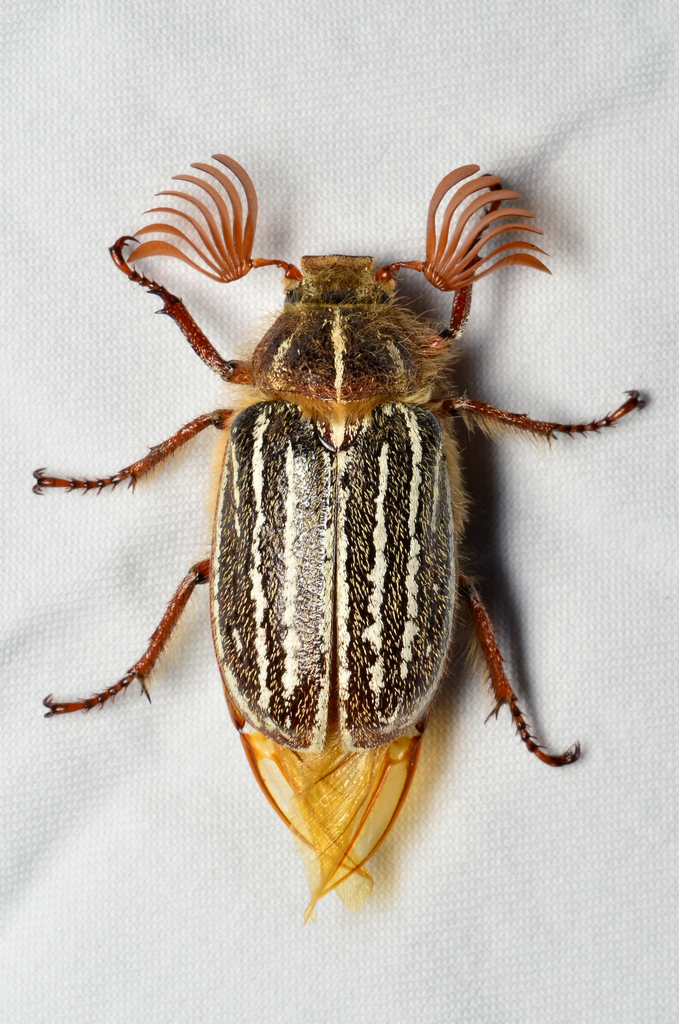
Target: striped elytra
<point x="343" y="563"/>
<point x="334" y="575"/>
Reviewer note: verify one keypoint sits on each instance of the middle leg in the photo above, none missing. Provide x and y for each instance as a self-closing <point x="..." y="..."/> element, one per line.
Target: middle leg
<point x="471" y="410"/>
<point x="158" y="454"/>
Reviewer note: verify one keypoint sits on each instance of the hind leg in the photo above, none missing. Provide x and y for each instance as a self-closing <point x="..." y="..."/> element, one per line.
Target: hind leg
<point x="143" y="668"/>
<point x="502" y="690"/>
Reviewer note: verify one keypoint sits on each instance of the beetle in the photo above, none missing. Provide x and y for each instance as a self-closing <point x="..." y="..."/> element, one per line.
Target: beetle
<point x="335" y="574"/>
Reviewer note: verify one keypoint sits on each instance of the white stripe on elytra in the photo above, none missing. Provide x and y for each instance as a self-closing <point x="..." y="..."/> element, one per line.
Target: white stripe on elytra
<point x="257" y="589"/>
<point x="235" y="490"/>
<point x="339" y="348"/>
<point x="343" y="636"/>
<point x="324" y="607"/>
<point x="436" y="497"/>
<point x="377" y="576"/>
<point x="411" y="628"/>
<point x="291" y="562"/>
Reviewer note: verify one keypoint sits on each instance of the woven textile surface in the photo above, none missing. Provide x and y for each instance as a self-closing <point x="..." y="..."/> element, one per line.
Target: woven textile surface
<point x="143" y="876"/>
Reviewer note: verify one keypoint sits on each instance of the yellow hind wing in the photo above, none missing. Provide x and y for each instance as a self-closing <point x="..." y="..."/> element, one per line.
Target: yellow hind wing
<point x="338" y="804"/>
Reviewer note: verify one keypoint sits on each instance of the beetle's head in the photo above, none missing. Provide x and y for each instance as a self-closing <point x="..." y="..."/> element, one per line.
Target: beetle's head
<point x="338" y="280"/>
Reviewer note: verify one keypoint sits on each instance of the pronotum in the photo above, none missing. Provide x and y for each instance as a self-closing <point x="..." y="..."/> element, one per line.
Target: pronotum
<point x="335" y="575"/>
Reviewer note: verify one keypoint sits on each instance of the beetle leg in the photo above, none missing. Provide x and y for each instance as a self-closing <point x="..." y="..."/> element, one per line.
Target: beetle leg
<point x="462" y="305"/>
<point x="462" y="301"/>
<point x="489" y="415"/>
<point x="231" y="371"/>
<point x="502" y="690"/>
<point x="142" y="669"/>
<point x="158" y="454"/>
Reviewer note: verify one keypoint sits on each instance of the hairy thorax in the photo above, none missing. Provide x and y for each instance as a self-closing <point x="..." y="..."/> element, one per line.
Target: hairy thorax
<point x="341" y="337"/>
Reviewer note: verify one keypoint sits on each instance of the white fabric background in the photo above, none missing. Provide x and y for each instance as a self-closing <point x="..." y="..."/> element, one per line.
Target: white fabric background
<point x="144" y="877"/>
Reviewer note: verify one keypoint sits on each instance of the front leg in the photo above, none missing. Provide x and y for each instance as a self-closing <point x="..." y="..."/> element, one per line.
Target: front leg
<point x="233" y="372"/>
<point x="157" y="455"/>
<point x="489" y="416"/>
